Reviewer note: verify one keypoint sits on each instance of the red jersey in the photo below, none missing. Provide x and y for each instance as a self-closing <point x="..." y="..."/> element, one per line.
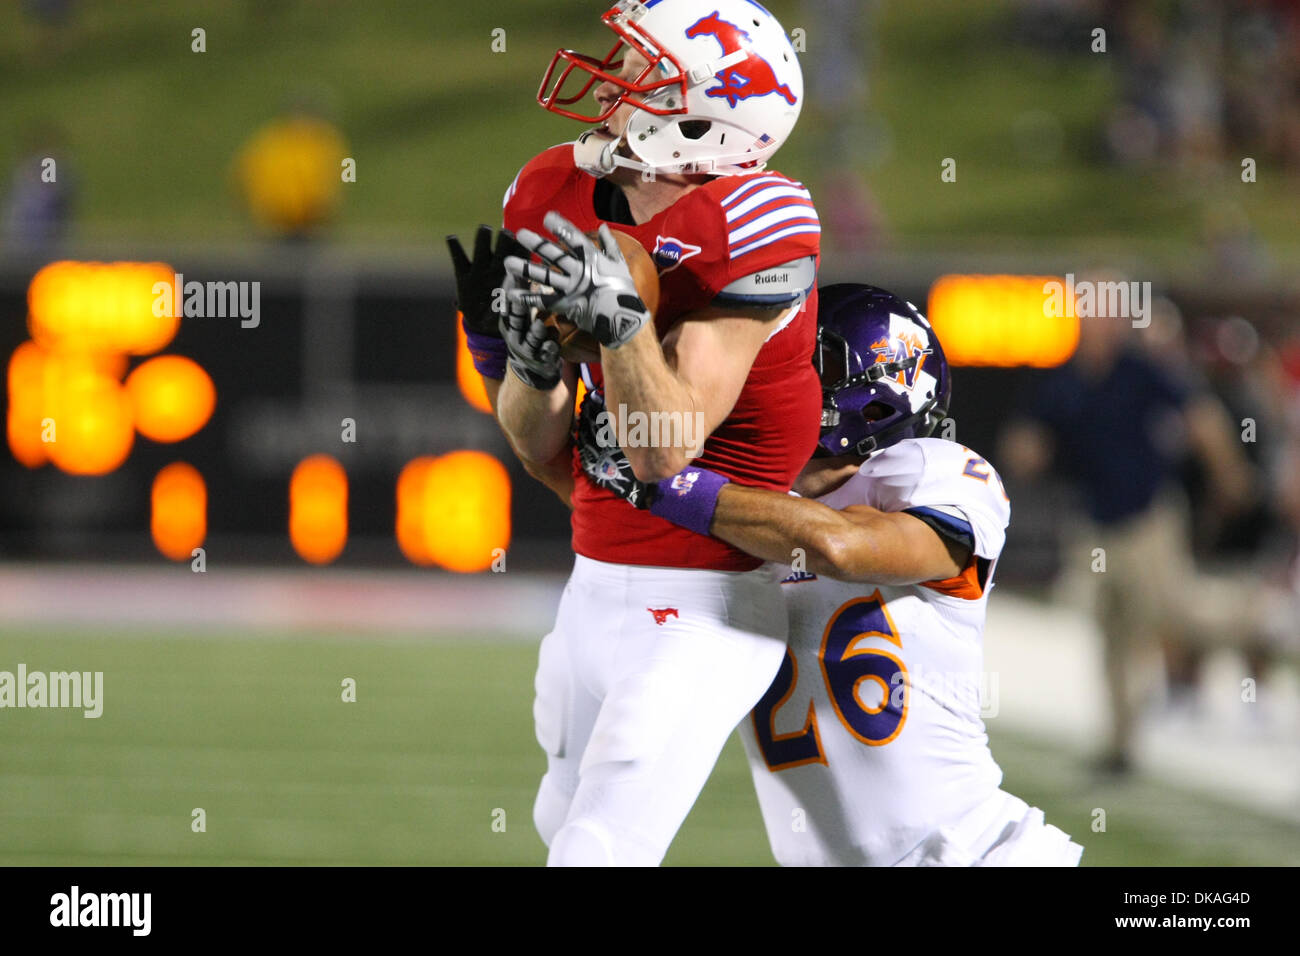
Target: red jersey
<point x="727" y="229"/>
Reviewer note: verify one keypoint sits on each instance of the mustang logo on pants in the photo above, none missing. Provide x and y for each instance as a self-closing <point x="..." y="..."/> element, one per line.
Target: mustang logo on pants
<point x="661" y="614"/>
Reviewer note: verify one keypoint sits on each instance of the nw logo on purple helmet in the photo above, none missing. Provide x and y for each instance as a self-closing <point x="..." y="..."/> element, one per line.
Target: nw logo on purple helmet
<point x="897" y="350"/>
<point x="752" y="76"/>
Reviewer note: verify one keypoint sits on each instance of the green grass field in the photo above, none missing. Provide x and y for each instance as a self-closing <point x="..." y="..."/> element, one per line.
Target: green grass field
<point x="252" y="729"/>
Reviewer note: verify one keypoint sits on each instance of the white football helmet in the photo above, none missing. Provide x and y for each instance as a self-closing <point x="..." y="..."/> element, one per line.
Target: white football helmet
<point x="721" y="92"/>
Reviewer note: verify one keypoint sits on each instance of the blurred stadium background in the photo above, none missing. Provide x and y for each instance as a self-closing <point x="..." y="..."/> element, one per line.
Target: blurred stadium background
<point x="350" y="495"/>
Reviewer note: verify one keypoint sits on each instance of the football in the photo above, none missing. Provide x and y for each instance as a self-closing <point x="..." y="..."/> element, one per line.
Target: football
<point x="579" y="346"/>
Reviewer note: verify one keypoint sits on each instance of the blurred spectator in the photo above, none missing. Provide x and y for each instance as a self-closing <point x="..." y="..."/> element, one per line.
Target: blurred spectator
<point x="51" y="12"/>
<point x="1241" y="372"/>
<point x="1232" y="246"/>
<point x="1143" y="120"/>
<point x="1286" y="610"/>
<point x="1117" y="424"/>
<point x="290" y="173"/>
<point x="1243" y="556"/>
<point x="842" y="32"/>
<point x="38" y="203"/>
<point x="1263" y="78"/>
<point x="1057" y="25"/>
<point x="1200" y="79"/>
<point x="51" y="19"/>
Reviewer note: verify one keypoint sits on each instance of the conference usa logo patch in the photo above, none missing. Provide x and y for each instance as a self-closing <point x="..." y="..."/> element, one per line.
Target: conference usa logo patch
<point x="684" y="483"/>
<point x="669" y="253"/>
<point x="608" y="468"/>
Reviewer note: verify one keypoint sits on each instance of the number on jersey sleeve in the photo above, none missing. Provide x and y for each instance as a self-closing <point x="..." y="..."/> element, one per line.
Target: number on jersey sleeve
<point x="980" y="469"/>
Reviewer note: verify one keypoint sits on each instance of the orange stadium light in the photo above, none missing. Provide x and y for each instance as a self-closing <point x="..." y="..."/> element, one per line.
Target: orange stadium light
<point x="467" y="510"/>
<point x="318" y="509"/>
<point x="35" y="381"/>
<point x="411" y="537"/>
<point x="26" y="385"/>
<point x="101" y="307"/>
<point x="179" y="511"/>
<point x="454" y="511"/>
<point x="289" y="172"/>
<point x="86" y="422"/>
<point x="172" y="396"/>
<point x="471" y="382"/>
<point x="1000" y="320"/>
<point x="467" y="376"/>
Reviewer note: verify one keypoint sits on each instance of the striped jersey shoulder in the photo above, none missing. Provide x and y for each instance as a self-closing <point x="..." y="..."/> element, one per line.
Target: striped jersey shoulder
<point x="762" y="209"/>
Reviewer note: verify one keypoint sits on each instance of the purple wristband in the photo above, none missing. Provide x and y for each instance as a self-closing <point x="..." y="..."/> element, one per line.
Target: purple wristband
<point x="489" y="354"/>
<point x="689" y="498"/>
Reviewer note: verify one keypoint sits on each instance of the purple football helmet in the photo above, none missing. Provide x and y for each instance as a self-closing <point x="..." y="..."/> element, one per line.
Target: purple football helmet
<point x="884" y="375"/>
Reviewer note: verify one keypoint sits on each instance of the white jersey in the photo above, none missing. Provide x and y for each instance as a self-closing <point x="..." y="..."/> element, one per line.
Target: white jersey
<point x="869" y="748"/>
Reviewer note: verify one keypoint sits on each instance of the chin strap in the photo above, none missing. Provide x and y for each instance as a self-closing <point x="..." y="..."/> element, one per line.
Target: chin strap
<point x="705" y="72"/>
<point x="599" y="156"/>
<point x="596" y="154"/>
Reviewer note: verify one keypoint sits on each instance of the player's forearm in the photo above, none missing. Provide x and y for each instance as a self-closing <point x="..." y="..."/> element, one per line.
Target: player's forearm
<point x="638" y="380"/>
<point x="492" y="386"/>
<point x="537" y="423"/>
<point x="857" y="544"/>
<point x="777" y="527"/>
<point x="556" y="474"/>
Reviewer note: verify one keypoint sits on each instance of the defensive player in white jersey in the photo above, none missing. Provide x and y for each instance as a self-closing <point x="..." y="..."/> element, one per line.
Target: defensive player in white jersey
<point x="869" y="748"/>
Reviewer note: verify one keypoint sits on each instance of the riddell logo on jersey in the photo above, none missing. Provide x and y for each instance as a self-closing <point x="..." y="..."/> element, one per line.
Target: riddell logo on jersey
<point x="670" y="253"/>
<point x="661" y="614"/>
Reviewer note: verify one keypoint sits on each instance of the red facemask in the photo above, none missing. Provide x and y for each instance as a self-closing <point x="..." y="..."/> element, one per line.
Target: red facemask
<point x="558" y="92"/>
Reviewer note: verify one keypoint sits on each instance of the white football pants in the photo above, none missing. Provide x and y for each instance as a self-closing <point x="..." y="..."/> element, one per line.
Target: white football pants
<point x="645" y="675"/>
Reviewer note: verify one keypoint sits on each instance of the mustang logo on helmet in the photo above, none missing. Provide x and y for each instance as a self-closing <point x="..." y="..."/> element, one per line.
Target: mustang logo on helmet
<point x="752" y="76"/>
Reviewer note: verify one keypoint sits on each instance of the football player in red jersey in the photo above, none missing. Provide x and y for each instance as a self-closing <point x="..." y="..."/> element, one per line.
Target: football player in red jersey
<point x="665" y="637"/>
